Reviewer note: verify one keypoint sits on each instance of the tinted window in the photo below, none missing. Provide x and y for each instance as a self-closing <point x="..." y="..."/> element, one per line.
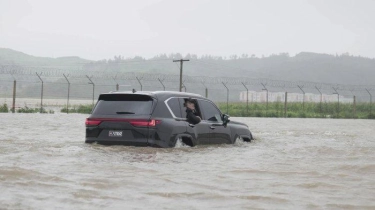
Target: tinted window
<point x="123" y="104"/>
<point x="211" y="113"/>
<point x="174" y="105"/>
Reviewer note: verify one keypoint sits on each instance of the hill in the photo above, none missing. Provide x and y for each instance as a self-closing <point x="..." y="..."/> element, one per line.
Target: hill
<point x="12" y="57"/>
<point x="305" y="66"/>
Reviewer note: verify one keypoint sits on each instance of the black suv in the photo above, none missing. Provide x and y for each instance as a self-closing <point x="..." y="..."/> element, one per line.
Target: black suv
<point x="158" y="119"/>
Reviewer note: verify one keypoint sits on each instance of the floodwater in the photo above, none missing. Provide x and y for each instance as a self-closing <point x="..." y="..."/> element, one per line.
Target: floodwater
<point x="292" y="164"/>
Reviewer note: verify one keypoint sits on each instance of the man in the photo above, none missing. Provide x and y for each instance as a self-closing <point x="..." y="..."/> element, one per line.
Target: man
<point x="191" y="114"/>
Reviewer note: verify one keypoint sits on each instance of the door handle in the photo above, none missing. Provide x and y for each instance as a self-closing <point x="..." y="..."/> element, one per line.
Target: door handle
<point x="212" y="127"/>
<point x="191" y="125"/>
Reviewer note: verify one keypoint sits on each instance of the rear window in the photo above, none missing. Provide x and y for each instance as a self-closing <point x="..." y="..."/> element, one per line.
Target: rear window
<point x="123" y="104"/>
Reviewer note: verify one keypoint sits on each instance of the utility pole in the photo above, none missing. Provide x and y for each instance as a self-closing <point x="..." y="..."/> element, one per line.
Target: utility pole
<point x="181" y="64"/>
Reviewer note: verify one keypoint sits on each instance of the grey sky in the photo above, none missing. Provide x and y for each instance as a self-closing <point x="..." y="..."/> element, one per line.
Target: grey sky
<point x="96" y="29"/>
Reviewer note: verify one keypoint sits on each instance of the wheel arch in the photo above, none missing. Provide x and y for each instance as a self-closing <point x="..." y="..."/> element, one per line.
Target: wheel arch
<point x="244" y="133"/>
<point x="186" y="139"/>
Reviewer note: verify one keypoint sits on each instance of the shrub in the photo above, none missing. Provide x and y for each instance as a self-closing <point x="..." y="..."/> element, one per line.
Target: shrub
<point x="26" y="109"/>
<point x="4" y="108"/>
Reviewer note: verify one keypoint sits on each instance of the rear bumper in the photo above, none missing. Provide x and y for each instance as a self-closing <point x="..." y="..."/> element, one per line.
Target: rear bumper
<point x="114" y="141"/>
<point x="138" y="143"/>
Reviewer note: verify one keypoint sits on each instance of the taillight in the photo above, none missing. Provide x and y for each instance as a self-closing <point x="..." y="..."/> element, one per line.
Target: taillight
<point x="92" y="122"/>
<point x="144" y="123"/>
<point x="133" y="122"/>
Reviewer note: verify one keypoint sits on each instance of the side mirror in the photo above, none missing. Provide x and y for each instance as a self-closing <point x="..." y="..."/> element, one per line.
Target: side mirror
<point x="225" y="119"/>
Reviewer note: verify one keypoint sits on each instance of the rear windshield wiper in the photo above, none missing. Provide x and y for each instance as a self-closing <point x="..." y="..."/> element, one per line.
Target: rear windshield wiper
<point x="125" y="113"/>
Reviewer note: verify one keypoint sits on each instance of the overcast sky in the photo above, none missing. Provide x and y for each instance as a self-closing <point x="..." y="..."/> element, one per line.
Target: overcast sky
<point x="98" y="29"/>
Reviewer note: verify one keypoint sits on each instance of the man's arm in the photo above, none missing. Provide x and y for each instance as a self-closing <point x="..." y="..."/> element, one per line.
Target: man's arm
<point x="192" y="118"/>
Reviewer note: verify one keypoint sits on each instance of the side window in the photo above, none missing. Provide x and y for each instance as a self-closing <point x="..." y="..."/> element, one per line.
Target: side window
<point x="210" y="112"/>
<point x="174" y="106"/>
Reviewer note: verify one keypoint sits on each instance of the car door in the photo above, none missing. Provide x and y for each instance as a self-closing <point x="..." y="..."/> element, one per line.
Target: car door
<point x="200" y="131"/>
<point x="212" y="116"/>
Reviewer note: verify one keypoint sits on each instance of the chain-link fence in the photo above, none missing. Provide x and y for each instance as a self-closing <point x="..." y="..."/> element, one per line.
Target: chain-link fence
<point x="20" y="87"/>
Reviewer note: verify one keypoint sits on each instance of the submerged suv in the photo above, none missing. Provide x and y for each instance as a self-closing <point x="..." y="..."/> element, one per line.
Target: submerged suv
<point x="158" y="119"/>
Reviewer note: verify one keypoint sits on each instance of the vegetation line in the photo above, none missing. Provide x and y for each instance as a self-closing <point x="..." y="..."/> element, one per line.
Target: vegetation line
<point x="275" y="109"/>
<point x="297" y="110"/>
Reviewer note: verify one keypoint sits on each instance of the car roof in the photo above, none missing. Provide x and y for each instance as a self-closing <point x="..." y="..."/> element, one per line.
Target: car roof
<point x="158" y="94"/>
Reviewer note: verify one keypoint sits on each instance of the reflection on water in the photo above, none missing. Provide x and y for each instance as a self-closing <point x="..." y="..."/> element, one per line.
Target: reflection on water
<point x="293" y="163"/>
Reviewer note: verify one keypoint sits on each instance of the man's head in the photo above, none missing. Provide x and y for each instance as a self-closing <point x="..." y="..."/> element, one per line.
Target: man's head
<point x="190" y="103"/>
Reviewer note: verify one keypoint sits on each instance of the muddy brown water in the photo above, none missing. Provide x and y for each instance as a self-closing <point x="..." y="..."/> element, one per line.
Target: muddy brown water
<point x="292" y="164"/>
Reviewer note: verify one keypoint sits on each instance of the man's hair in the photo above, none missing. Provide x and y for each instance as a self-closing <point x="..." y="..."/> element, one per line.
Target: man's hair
<point x="189" y="100"/>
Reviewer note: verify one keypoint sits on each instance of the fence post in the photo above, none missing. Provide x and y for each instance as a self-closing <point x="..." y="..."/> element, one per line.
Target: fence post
<point x="139" y="81"/>
<point x="161" y="82"/>
<point x="264" y="88"/>
<point x="117" y="85"/>
<point x="354" y="107"/>
<point x="93" y="89"/>
<point x="303" y="99"/>
<point x="338" y="101"/>
<point x="285" y="104"/>
<point x="183" y="86"/>
<point x="41" y="94"/>
<point x="206" y="90"/>
<point x="247" y="99"/>
<point x="227" y="96"/>
<point x="370" y="100"/>
<point x="67" y="103"/>
<point x="14" y="94"/>
<point x="321" y="99"/>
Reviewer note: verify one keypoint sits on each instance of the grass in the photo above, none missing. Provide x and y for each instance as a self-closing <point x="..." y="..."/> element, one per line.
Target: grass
<point x="276" y="109"/>
<point x="297" y="110"/>
<point x="26" y="109"/>
<point x="83" y="109"/>
<point x="4" y="109"/>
